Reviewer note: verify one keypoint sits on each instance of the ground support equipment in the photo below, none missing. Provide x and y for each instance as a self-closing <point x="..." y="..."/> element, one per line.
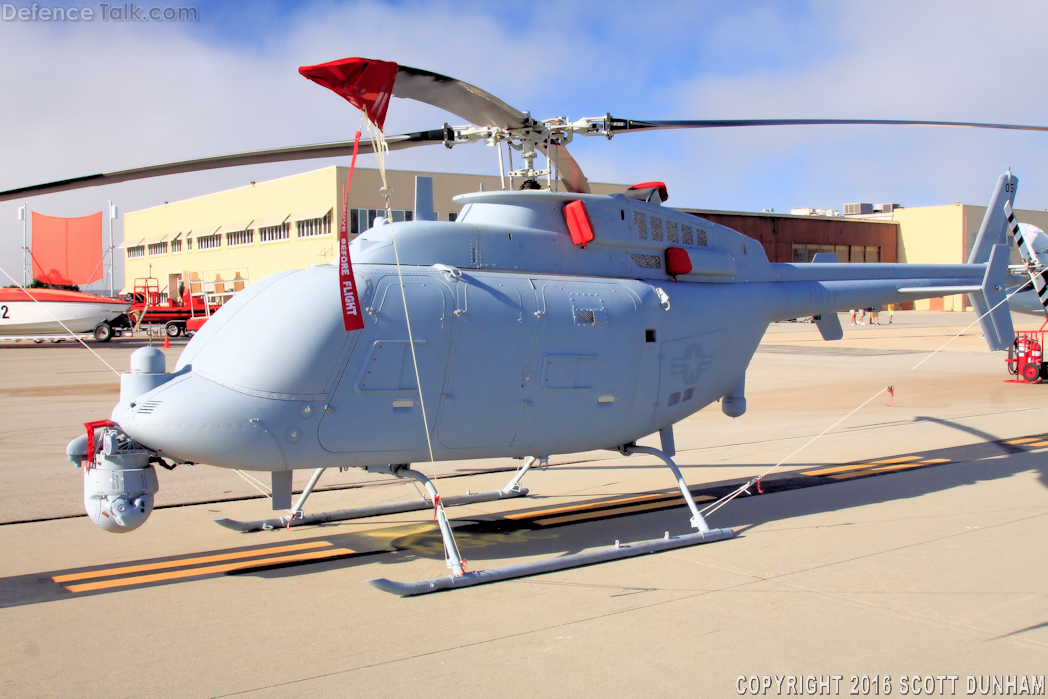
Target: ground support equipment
<point x="1026" y="361"/>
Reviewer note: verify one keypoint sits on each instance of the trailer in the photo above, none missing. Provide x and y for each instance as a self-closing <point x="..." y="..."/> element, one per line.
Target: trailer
<point x="1026" y="357"/>
<point x="177" y="313"/>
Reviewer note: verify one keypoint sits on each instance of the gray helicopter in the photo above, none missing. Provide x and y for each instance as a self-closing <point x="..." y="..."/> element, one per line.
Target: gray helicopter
<point x="540" y="322"/>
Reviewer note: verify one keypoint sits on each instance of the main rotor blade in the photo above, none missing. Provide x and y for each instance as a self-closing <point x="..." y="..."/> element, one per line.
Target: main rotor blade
<point x="622" y="125"/>
<point x="461" y="99"/>
<point x="277" y="155"/>
<point x="567" y="168"/>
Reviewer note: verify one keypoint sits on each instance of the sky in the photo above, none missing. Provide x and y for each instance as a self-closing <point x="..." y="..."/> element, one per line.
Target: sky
<point x="85" y="97"/>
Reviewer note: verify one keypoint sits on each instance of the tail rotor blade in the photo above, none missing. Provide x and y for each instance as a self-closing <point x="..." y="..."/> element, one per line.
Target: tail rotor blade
<point x="1037" y="271"/>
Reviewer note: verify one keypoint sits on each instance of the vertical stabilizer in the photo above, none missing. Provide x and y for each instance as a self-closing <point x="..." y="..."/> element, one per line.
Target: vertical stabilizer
<point x="990" y="305"/>
<point x="994" y="225"/>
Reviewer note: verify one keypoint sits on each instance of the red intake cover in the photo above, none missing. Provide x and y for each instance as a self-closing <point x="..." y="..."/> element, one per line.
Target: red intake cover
<point x="365" y="83"/>
<point x="677" y="261"/>
<point x="579" y="224"/>
<point x="661" y="186"/>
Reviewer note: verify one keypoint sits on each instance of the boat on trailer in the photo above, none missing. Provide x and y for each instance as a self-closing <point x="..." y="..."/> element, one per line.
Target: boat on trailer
<point x="42" y="313"/>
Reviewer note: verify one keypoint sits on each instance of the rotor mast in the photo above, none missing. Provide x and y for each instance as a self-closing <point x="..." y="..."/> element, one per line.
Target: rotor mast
<point x="548" y="137"/>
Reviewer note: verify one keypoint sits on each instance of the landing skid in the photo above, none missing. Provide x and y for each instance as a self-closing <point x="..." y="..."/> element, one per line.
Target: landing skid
<point x="549" y="565"/>
<point x="297" y="518"/>
<point x="362" y="512"/>
<point x="459" y="578"/>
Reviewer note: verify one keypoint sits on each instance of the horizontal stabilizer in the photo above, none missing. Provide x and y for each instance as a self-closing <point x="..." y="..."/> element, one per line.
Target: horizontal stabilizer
<point x="941" y="290"/>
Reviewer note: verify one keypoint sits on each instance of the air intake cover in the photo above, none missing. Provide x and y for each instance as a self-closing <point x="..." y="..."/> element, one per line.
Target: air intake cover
<point x="677" y="261"/>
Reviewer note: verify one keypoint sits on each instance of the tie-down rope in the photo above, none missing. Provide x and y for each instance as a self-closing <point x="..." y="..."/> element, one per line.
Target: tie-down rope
<point x="378" y="139"/>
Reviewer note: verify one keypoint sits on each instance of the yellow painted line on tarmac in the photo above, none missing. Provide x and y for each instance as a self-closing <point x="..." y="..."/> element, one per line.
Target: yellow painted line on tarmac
<point x="1024" y="440"/>
<point x="188" y="561"/>
<point x="888" y="469"/>
<point x="587" y="507"/>
<point x="864" y="465"/>
<point x="676" y="502"/>
<point x="208" y="570"/>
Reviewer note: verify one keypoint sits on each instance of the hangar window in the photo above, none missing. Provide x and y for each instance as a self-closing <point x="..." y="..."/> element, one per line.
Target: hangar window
<point x="136" y="251"/>
<point x="268" y="234"/>
<point x="361" y="220"/>
<point x="176" y="245"/>
<point x="208" y="242"/>
<point x="313" y="227"/>
<point x="873" y="253"/>
<point x="235" y="238"/>
<point x="806" y="253"/>
<point x="157" y="249"/>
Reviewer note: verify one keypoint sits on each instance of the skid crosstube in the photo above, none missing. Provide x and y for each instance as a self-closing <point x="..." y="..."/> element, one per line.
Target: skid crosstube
<point x="370" y="511"/>
<point x="549" y="565"/>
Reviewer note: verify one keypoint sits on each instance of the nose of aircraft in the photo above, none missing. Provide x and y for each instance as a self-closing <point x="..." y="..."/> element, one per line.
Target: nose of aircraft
<point x="250" y="387"/>
<point x="194" y="419"/>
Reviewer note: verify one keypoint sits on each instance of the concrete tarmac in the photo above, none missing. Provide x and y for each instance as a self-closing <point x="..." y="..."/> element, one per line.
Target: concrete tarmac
<point x="907" y="541"/>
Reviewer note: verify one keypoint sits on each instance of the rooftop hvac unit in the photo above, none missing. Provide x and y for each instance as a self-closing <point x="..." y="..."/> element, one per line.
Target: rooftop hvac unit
<point x="857" y="209"/>
<point x="804" y="211"/>
<point x="885" y="208"/>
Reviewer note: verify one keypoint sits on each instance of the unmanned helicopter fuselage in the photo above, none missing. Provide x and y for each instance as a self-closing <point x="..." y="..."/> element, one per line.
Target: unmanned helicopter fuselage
<point x="526" y="343"/>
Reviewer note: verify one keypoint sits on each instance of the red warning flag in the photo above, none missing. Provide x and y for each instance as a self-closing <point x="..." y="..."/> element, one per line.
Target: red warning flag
<point x="67" y="250"/>
<point x="365" y="83"/>
<point x="351" y="316"/>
